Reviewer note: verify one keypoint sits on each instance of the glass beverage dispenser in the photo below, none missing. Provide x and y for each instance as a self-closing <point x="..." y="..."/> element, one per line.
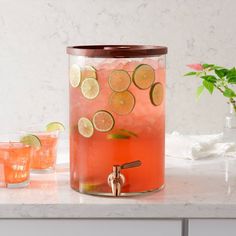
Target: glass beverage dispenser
<point x="117" y="118"/>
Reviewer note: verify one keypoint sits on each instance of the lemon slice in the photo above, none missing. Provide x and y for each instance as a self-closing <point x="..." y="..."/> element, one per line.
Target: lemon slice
<point x="122" y="103"/>
<point x="75" y="75"/>
<point x="90" y="88"/>
<point x="103" y="121"/>
<point x="143" y="76"/>
<point x="119" y="80"/>
<point x="156" y="94"/>
<point x="55" y="126"/>
<point x="31" y="140"/>
<point x="85" y="127"/>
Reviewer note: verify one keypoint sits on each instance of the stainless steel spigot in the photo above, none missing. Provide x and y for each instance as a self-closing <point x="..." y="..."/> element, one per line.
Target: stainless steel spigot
<point x="116" y="180"/>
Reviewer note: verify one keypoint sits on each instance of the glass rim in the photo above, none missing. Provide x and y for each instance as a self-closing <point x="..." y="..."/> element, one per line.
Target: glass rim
<point x="15" y="144"/>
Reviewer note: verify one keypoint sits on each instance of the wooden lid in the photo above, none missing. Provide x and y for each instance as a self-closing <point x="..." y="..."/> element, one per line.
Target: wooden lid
<point x="117" y="51"/>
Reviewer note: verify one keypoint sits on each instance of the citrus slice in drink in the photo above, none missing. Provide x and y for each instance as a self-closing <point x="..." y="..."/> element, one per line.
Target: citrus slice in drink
<point x="156" y="94"/>
<point x="85" y="127"/>
<point x="103" y="121"/>
<point x="31" y="140"/>
<point x="122" y="103"/>
<point x="55" y="126"/>
<point x="75" y="75"/>
<point x="89" y="187"/>
<point x="128" y="132"/>
<point x="119" y="80"/>
<point x="118" y="136"/>
<point x="143" y="76"/>
<point x="122" y="134"/>
<point x="90" y="88"/>
<point x="89" y="72"/>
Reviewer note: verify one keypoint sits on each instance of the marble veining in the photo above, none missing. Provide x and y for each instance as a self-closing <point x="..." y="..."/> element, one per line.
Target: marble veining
<point x="199" y="190"/>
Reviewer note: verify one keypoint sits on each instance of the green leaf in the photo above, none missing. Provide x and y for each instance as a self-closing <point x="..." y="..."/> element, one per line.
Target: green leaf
<point x="199" y="73"/>
<point x="209" y="78"/>
<point x="231" y="73"/>
<point x="229" y="93"/>
<point x="221" y="72"/>
<point x="190" y="73"/>
<point x="208" y="85"/>
<point x="232" y="80"/>
<point x="205" y="66"/>
<point x="211" y="67"/>
<point x="200" y="89"/>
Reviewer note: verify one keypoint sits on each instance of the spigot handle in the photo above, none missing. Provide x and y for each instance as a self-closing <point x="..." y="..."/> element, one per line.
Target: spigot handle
<point x="131" y="164"/>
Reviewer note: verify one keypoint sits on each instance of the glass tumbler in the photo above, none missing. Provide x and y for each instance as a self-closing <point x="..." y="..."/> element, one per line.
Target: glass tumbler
<point x="14" y="162"/>
<point x="43" y="159"/>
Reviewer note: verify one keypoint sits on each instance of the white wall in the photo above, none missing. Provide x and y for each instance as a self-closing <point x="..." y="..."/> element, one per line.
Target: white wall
<point x="33" y="63"/>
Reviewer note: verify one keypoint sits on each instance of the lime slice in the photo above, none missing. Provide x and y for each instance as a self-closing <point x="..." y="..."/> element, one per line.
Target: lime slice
<point x="117" y="136"/>
<point x="122" y="134"/>
<point x="156" y="94"/>
<point x="143" y="76"/>
<point x="122" y="103"/>
<point x="89" y="187"/>
<point x="85" y="127"/>
<point x="90" y="88"/>
<point x="75" y="75"/>
<point x="128" y="132"/>
<point x="31" y="140"/>
<point x="103" y="121"/>
<point x="55" y="126"/>
<point x="119" y="80"/>
<point x="89" y="72"/>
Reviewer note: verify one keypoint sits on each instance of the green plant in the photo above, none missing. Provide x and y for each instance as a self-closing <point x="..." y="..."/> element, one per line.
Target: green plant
<point x="215" y="77"/>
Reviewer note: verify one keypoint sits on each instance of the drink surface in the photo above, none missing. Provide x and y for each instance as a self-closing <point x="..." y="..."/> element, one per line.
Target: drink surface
<point x="137" y="135"/>
<point x="15" y="158"/>
<point x="45" y="156"/>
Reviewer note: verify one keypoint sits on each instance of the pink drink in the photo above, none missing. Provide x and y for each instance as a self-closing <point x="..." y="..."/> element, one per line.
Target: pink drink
<point x="44" y="158"/>
<point x="15" y="163"/>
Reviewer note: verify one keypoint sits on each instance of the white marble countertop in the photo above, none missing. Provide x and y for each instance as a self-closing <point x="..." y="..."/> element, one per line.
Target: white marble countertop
<point x="200" y="190"/>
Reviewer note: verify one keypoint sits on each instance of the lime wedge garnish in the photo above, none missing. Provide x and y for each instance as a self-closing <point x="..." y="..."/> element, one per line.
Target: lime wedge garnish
<point x="85" y="127"/>
<point x="156" y="94"/>
<point x="31" y="140"/>
<point x="90" y="88"/>
<point x="143" y="76"/>
<point x="122" y="103"/>
<point x="117" y="136"/>
<point x="55" y="126"/>
<point x="75" y="75"/>
<point x="119" y="80"/>
<point x="103" y="121"/>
